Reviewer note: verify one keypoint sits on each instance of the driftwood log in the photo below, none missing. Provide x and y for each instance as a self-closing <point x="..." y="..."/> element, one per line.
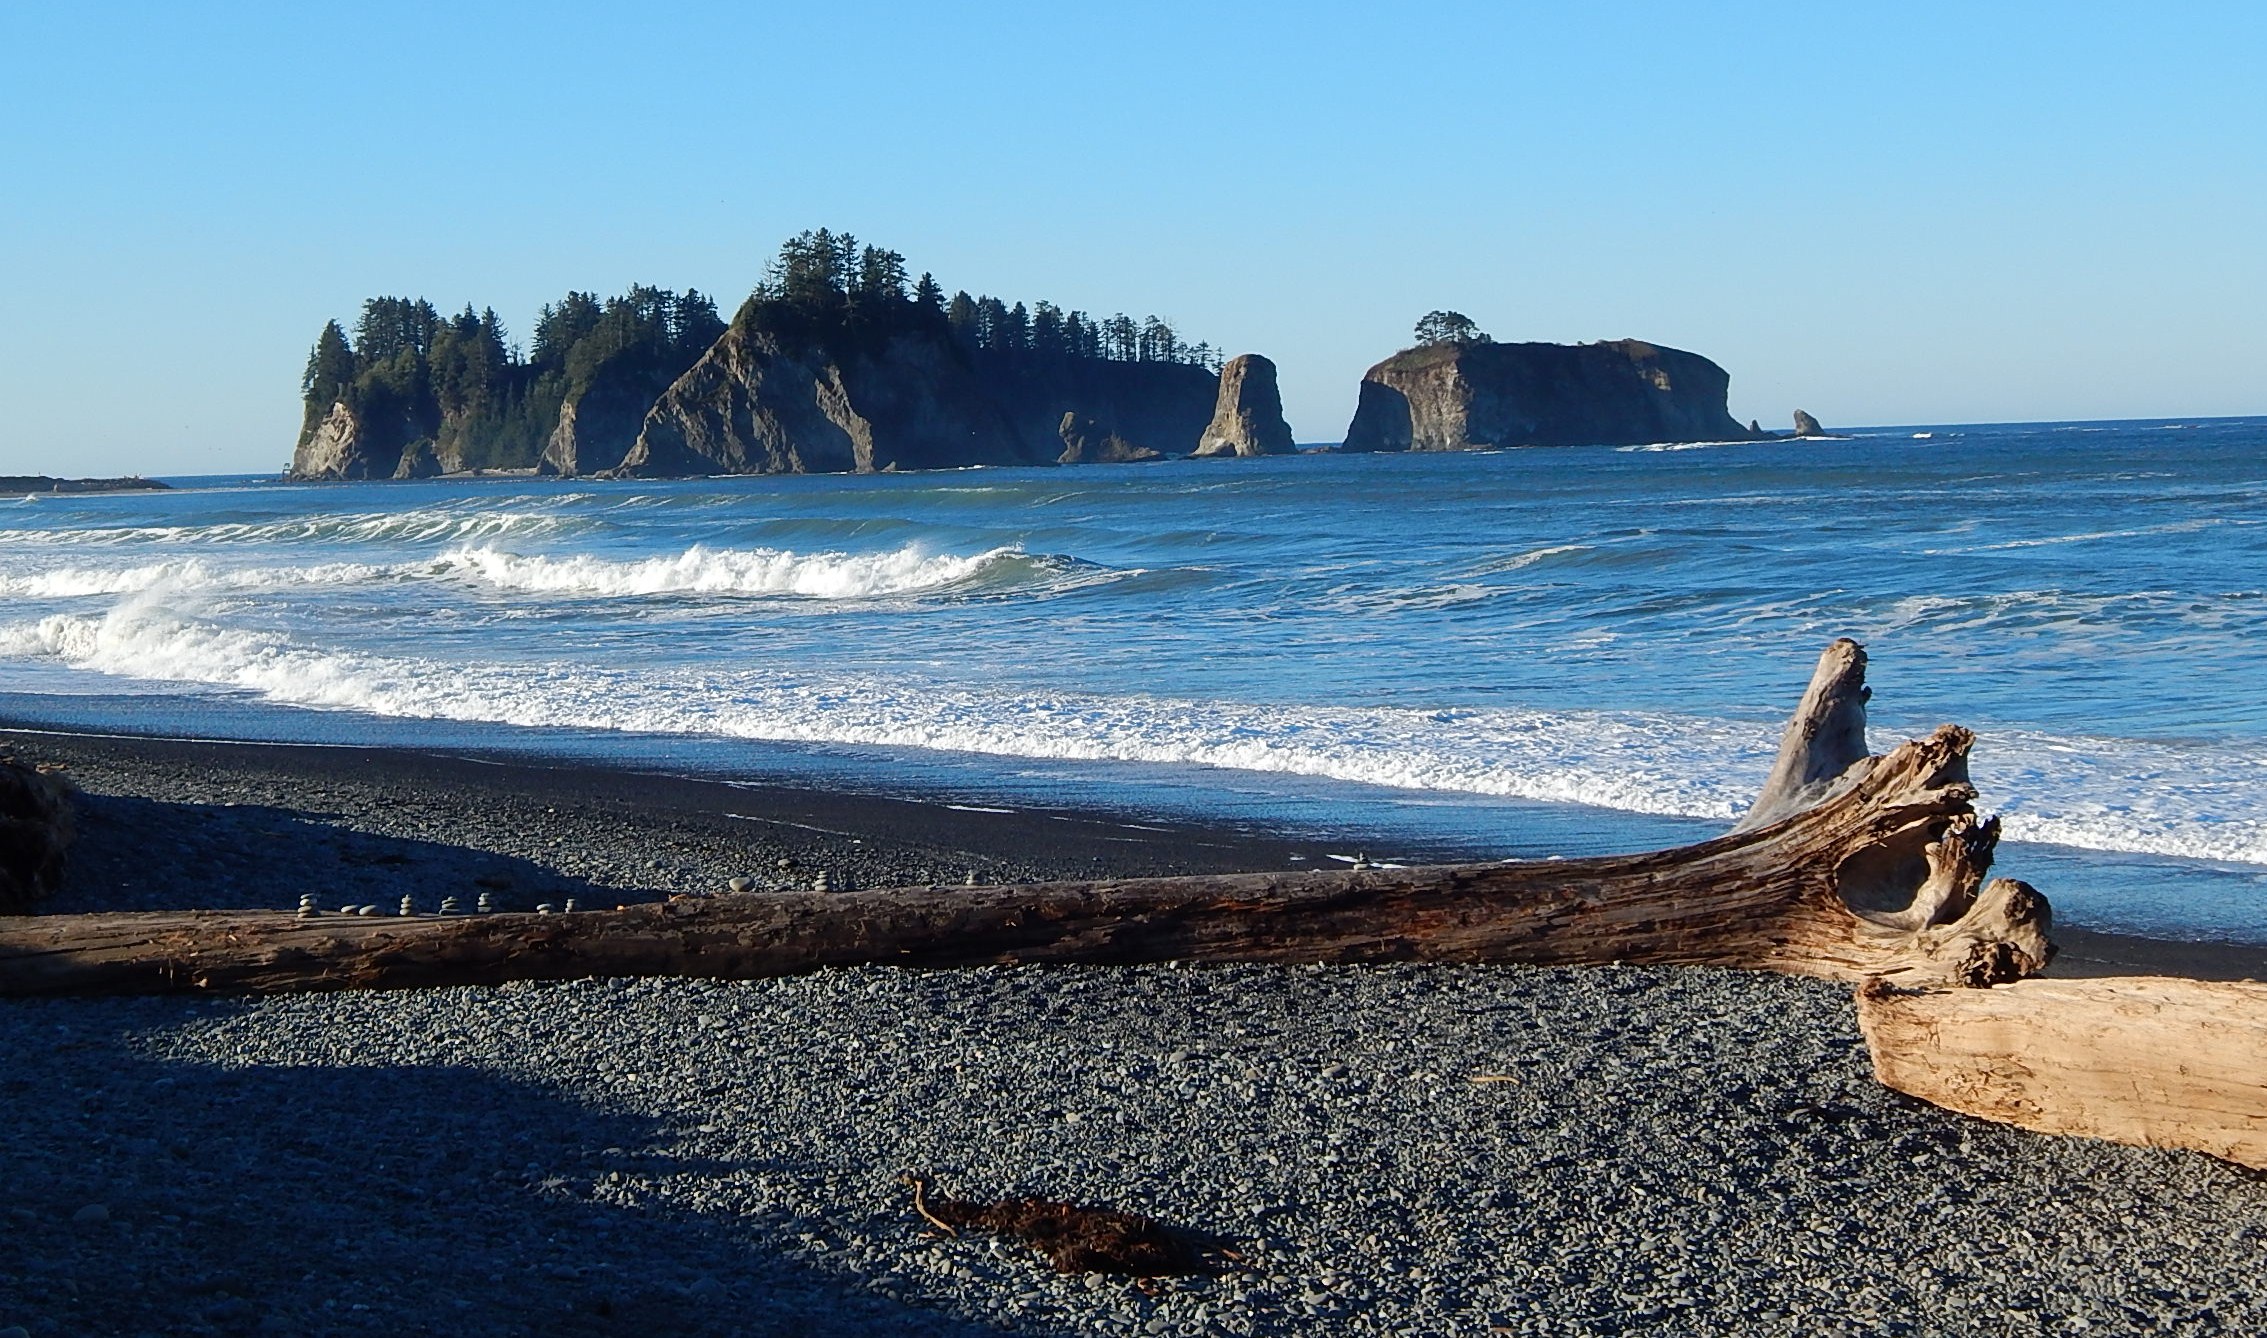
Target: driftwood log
<point x="2151" y="1060"/>
<point x="1883" y="878"/>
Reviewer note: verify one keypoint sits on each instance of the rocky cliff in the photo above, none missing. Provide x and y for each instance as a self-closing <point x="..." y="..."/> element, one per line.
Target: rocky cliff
<point x="769" y="400"/>
<point x="338" y="446"/>
<point x="1478" y="396"/>
<point x="761" y="401"/>
<point x="1248" y="416"/>
<point x="1121" y="411"/>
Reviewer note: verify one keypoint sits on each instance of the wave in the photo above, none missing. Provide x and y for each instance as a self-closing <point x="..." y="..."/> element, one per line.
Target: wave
<point x="696" y="571"/>
<point x="2199" y="802"/>
<point x="184" y="574"/>
<point x="1636" y="762"/>
<point x="701" y="570"/>
<point x="435" y="525"/>
<point x="1518" y="561"/>
<point x="1654" y="446"/>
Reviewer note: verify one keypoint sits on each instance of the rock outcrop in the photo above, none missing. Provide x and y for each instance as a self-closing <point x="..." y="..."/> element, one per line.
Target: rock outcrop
<point x="1248" y="416"/>
<point x="1480" y="396"/>
<point x="761" y="401"/>
<point x="1088" y="441"/>
<point x="344" y="444"/>
<point x="15" y="485"/>
<point x="419" y="462"/>
<point x="1807" y="426"/>
<point x="769" y="398"/>
<point x="333" y="448"/>
<point x="1123" y="411"/>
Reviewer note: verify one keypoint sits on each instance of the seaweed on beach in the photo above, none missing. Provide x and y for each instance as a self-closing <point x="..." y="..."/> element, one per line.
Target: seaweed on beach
<point x="1075" y="1238"/>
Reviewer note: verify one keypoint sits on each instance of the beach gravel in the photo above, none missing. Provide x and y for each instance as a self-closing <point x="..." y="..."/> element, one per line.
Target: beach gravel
<point x="1391" y="1150"/>
<point x="1404" y="1150"/>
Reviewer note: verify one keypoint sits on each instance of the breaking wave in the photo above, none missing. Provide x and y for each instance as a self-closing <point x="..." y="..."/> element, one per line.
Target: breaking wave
<point x="696" y="571"/>
<point x="183" y="574"/>
<point x="2104" y="794"/>
<point x="436" y="525"/>
<point x="758" y="571"/>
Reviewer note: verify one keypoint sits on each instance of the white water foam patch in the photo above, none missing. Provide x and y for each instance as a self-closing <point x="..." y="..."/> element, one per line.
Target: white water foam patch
<point x="2193" y="801"/>
<point x="185" y="574"/>
<point x="438" y="525"/>
<point x="2199" y="802"/>
<point x="1642" y="763"/>
<point x="729" y="571"/>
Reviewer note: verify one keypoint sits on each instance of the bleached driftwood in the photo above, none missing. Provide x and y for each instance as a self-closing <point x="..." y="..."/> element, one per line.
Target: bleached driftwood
<point x="2153" y="1060"/>
<point x="1884" y="878"/>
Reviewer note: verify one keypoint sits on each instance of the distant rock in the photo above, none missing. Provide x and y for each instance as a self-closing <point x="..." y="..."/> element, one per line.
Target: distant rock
<point x="1481" y="396"/>
<point x="1150" y="409"/>
<point x="419" y="462"/>
<point x="766" y="401"/>
<point x="1087" y="441"/>
<point x="343" y="444"/>
<point x="1807" y="426"/>
<point x="15" y="485"/>
<point x="333" y="449"/>
<point x="1248" y="417"/>
<point x="781" y="393"/>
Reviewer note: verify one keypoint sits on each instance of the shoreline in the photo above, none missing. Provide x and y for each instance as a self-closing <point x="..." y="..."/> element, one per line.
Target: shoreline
<point x="381" y="822"/>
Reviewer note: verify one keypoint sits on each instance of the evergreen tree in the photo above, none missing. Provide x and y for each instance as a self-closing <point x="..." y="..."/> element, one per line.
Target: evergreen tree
<point x="928" y="296"/>
<point x="1047" y="330"/>
<point x="881" y="277"/>
<point x="1448" y="327"/>
<point x="696" y="326"/>
<point x="966" y="321"/>
<point x="330" y="369"/>
<point x="991" y="323"/>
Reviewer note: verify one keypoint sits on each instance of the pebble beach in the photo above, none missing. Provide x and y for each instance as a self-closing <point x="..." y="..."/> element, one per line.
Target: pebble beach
<point x="1386" y="1150"/>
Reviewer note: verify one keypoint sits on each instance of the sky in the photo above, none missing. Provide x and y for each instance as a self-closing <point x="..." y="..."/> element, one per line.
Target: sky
<point x="1917" y="213"/>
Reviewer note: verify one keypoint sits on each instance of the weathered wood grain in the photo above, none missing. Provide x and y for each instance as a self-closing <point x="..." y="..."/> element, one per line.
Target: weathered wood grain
<point x="2153" y="1060"/>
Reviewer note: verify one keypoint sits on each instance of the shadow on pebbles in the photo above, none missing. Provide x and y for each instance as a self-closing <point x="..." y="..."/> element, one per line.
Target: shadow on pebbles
<point x="1405" y="1150"/>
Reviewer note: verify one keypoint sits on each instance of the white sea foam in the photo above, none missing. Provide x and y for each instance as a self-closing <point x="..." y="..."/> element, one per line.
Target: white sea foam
<point x="728" y="571"/>
<point x="1637" y="762"/>
<point x="183" y="574"/>
<point x="696" y="571"/>
<point x="2108" y="794"/>
<point x="436" y="525"/>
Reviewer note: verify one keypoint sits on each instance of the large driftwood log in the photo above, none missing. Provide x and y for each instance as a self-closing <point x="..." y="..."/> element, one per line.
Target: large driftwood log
<point x="2152" y="1060"/>
<point x="1883" y="879"/>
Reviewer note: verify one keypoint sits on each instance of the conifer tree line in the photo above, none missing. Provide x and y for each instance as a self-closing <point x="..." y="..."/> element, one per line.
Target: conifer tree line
<point x="460" y="381"/>
<point x="409" y="372"/>
<point x="824" y="271"/>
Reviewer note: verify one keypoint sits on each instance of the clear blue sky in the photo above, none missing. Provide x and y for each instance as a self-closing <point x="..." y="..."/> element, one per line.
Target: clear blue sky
<point x="1880" y="213"/>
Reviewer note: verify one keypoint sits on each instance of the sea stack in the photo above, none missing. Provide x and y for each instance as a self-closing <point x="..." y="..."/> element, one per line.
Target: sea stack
<point x="1249" y="416"/>
<point x="1476" y="395"/>
<point x="1807" y="426"/>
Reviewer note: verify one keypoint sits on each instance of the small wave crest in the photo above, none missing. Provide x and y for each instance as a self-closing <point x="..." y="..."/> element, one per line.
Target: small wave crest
<point x="436" y="525"/>
<point x="2128" y="795"/>
<point x="701" y="570"/>
<point x="183" y="574"/>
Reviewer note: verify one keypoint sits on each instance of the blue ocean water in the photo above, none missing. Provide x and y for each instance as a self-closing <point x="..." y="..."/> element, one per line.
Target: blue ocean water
<point x="1524" y="652"/>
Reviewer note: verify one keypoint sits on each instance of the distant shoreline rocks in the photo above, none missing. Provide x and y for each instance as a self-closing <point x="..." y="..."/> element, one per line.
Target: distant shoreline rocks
<point x="836" y="364"/>
<point x="1481" y="395"/>
<point x="19" y="485"/>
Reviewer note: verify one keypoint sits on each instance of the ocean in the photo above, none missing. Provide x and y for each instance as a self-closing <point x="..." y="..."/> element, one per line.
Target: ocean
<point x="1536" y="653"/>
